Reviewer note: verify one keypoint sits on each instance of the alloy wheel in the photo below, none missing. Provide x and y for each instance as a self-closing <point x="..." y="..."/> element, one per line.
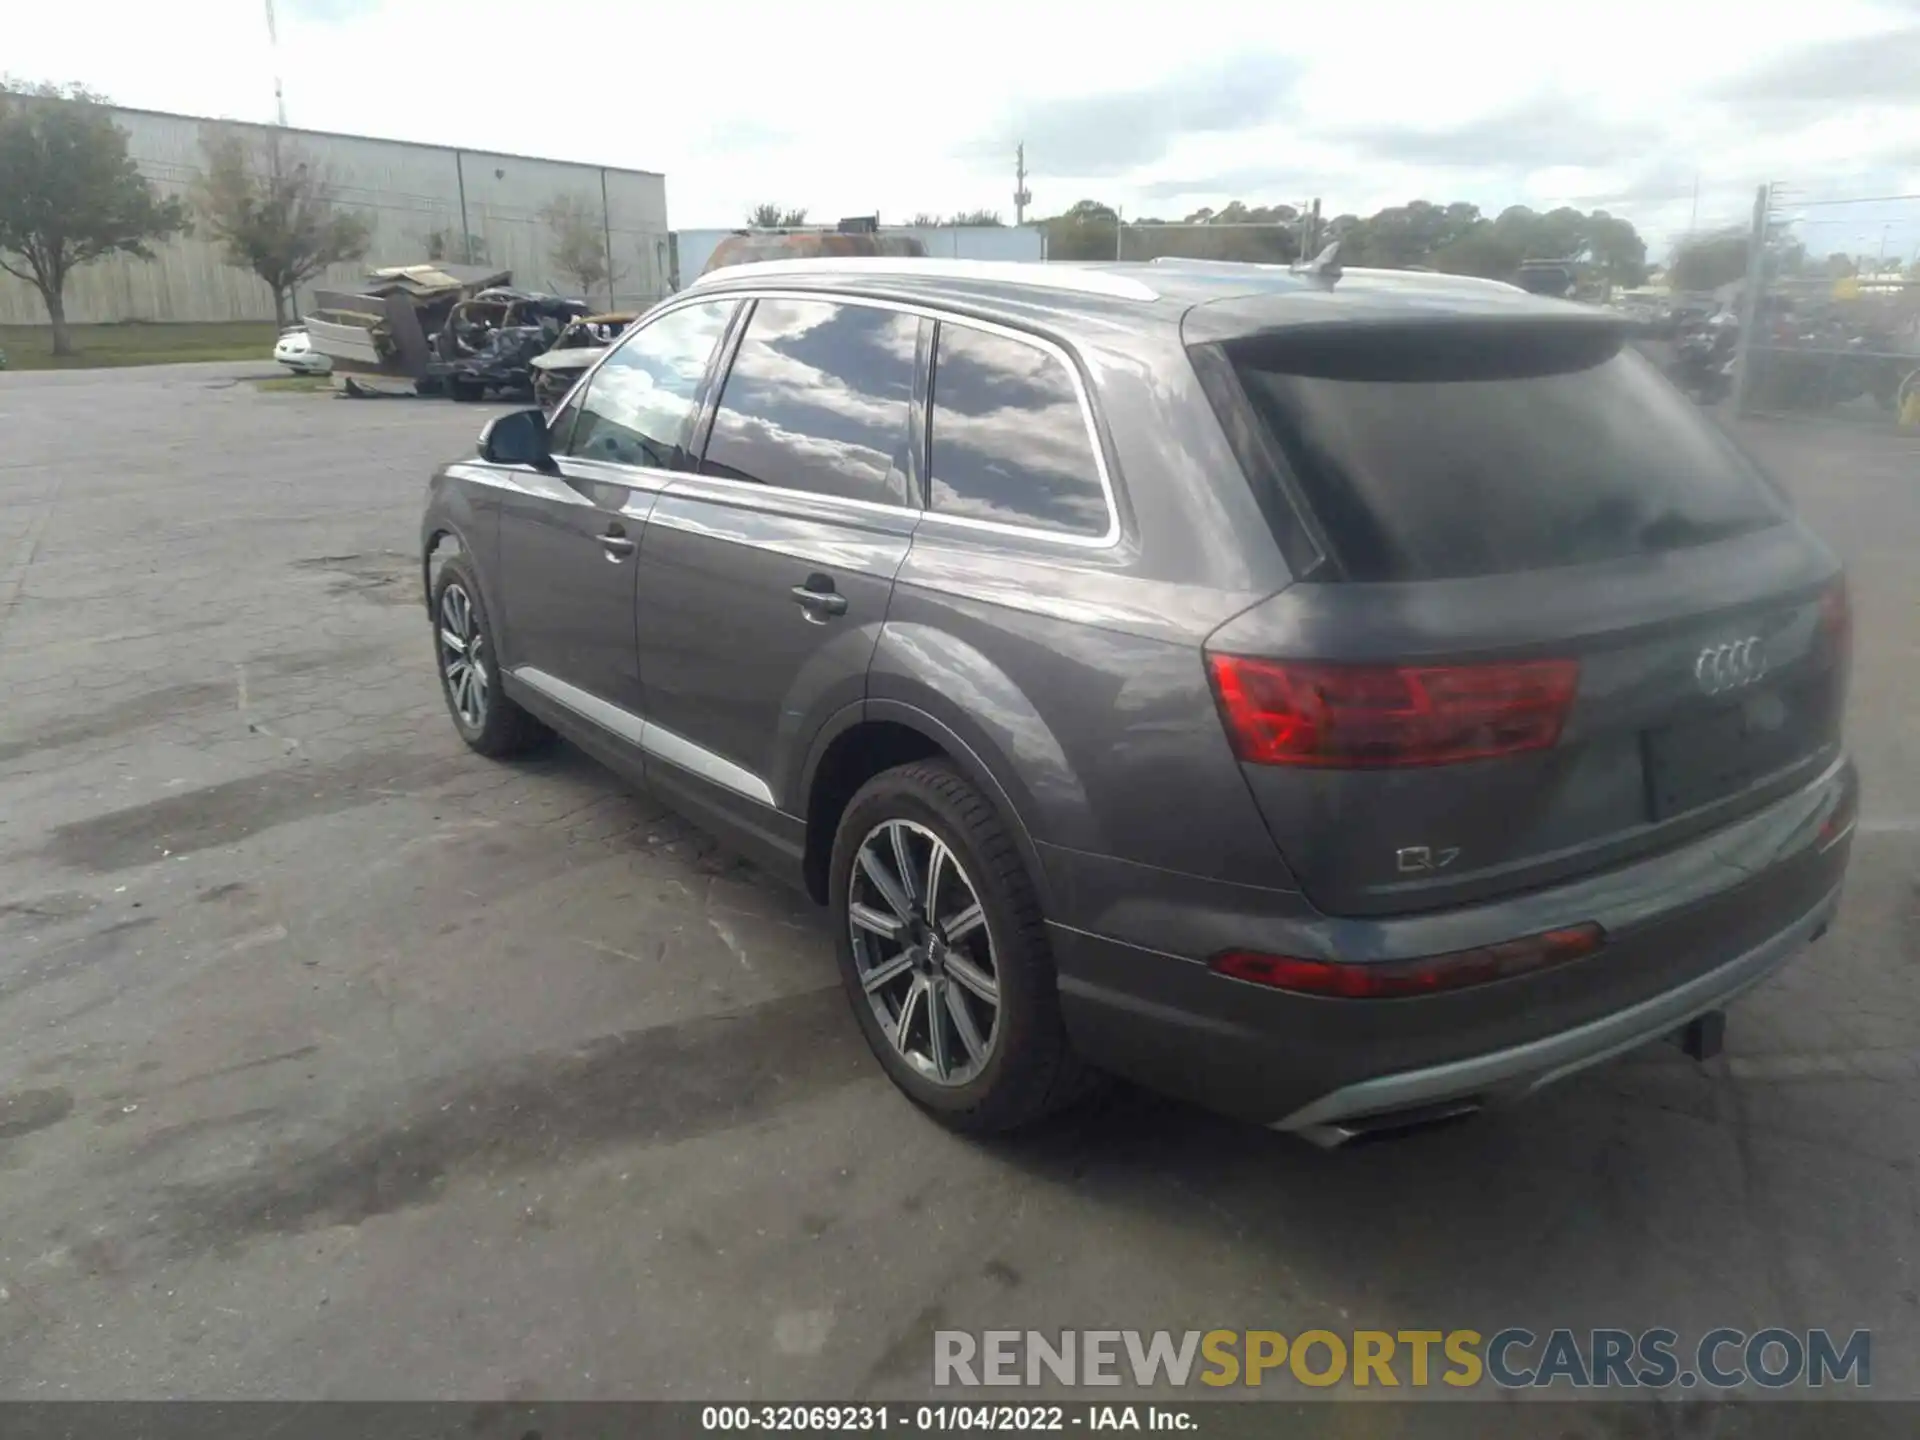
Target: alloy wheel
<point x="463" y="657"/>
<point x="923" y="952"/>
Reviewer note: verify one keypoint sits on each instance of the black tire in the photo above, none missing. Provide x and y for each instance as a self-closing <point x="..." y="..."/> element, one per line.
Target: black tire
<point x="496" y="728"/>
<point x="1031" y="1070"/>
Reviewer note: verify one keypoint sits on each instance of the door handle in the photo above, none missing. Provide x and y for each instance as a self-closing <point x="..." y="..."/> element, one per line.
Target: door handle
<point x="617" y="545"/>
<point x="819" y="602"/>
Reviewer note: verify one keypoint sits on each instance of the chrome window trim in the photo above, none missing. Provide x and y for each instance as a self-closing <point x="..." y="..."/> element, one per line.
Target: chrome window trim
<point x="658" y="312"/>
<point x="656" y="740"/>
<point x="1106" y="540"/>
<point x="688" y="487"/>
<point x="636" y="480"/>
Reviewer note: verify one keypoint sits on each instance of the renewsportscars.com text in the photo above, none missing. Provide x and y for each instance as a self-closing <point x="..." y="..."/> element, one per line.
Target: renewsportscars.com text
<point x="1513" y="1358"/>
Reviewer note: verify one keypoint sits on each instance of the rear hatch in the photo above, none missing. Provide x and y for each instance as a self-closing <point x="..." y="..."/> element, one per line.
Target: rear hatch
<point x="1556" y="620"/>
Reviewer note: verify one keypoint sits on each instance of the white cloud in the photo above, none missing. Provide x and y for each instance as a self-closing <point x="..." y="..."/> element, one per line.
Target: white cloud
<point x="847" y="106"/>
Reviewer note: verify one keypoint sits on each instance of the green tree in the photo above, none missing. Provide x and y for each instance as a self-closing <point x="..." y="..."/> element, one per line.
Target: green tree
<point x="69" y="193"/>
<point x="1238" y="212"/>
<point x="1404" y="235"/>
<point x="1616" y="247"/>
<point x="1459" y="240"/>
<point x="1709" y="262"/>
<point x="1089" y="230"/>
<point x="1489" y="249"/>
<point x="271" y="208"/>
<point x="775" y="217"/>
<point x="1092" y="212"/>
<point x="979" y="218"/>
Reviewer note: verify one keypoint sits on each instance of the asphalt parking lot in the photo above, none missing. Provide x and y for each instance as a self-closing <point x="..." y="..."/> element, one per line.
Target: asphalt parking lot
<point x="337" y="1061"/>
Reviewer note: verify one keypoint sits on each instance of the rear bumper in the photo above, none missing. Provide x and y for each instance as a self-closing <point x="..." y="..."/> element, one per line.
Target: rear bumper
<point x="1509" y="1074"/>
<point x="1687" y="931"/>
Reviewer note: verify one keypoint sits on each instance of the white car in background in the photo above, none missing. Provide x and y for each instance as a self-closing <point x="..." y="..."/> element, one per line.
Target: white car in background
<point x="295" y="351"/>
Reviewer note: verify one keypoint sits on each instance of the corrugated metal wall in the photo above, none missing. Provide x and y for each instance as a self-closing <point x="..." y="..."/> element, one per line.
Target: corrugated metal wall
<point x="962" y="242"/>
<point x="406" y="191"/>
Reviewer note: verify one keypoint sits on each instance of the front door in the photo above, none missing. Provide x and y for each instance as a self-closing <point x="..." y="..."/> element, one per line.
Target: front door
<point x="766" y="576"/>
<point x="570" y="541"/>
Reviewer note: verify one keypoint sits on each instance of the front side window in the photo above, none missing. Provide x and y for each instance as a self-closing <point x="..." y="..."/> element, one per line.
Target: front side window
<point x="818" y="399"/>
<point x="1010" y="439"/>
<point x="639" y="405"/>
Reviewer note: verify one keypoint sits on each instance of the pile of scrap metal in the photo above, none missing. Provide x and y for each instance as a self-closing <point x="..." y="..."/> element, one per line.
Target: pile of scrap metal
<point x="490" y="341"/>
<point x="436" y="329"/>
<point x="584" y="341"/>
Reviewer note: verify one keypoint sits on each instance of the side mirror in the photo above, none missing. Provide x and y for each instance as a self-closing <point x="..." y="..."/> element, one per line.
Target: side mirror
<point x="519" y="438"/>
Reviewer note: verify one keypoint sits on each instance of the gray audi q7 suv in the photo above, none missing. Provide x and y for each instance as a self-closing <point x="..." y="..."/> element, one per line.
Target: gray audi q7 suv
<point x="1344" y="699"/>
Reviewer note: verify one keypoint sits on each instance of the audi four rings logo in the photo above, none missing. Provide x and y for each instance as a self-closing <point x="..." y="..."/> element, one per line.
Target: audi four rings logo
<point x="1721" y="668"/>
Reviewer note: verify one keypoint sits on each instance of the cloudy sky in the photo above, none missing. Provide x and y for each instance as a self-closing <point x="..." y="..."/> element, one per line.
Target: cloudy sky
<point x="846" y="106"/>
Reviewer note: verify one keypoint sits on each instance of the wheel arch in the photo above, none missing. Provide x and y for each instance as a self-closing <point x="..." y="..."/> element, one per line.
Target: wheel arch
<point x="865" y="739"/>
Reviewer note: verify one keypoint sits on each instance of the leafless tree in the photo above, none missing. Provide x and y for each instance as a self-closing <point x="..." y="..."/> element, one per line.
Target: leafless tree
<point x="579" y="249"/>
<point x="272" y="208"/>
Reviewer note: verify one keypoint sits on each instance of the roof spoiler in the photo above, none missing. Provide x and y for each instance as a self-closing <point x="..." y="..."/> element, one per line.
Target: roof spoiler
<point x="1324" y="266"/>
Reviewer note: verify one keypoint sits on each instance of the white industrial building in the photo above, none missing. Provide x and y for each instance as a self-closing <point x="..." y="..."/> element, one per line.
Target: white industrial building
<point x="407" y="192"/>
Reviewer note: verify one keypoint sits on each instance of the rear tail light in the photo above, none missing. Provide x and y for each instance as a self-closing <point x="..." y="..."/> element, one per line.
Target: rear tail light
<point x="1376" y="716"/>
<point x="1399" y="979"/>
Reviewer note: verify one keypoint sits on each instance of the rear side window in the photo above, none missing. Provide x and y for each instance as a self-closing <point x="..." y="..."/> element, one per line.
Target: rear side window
<point x="637" y="407"/>
<point x="819" y="399"/>
<point x="1443" y="452"/>
<point x="1010" y="442"/>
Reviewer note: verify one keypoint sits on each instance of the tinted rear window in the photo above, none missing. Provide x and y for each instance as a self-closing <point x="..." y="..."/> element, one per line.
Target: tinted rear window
<point x="1444" y="452"/>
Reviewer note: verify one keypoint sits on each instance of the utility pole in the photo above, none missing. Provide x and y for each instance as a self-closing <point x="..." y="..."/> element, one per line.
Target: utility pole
<point x="273" y="43"/>
<point x="1021" y="197"/>
<point x="1693" y="216"/>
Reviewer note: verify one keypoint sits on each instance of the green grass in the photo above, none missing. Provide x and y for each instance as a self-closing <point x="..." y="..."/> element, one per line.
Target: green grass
<point x="295" y="385"/>
<point x="30" y="347"/>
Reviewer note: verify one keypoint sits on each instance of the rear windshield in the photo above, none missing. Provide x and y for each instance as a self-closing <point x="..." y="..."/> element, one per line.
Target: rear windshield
<point x="1441" y="452"/>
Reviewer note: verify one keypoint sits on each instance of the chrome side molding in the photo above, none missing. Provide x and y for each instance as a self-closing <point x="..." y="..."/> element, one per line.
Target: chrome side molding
<point x="656" y="740"/>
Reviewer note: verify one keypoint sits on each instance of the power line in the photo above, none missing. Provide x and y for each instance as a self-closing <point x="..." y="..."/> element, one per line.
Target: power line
<point x="1792" y="204"/>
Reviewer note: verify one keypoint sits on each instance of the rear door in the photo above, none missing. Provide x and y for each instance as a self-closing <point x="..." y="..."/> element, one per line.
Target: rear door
<point x="1563" y="621"/>
<point x="766" y="575"/>
<point x="570" y="540"/>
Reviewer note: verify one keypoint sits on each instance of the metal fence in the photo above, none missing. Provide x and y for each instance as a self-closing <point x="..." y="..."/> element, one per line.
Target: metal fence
<point x="1830" y="307"/>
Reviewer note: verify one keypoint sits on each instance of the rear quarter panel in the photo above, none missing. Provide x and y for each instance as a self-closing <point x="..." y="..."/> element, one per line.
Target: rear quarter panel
<point x="1075" y="672"/>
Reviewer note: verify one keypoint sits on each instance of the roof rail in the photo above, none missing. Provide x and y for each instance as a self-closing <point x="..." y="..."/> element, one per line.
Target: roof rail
<point x="1216" y="264"/>
<point x="1039" y="275"/>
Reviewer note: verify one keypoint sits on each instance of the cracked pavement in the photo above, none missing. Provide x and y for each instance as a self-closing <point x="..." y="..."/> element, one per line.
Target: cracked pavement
<point x="337" y="1061"/>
